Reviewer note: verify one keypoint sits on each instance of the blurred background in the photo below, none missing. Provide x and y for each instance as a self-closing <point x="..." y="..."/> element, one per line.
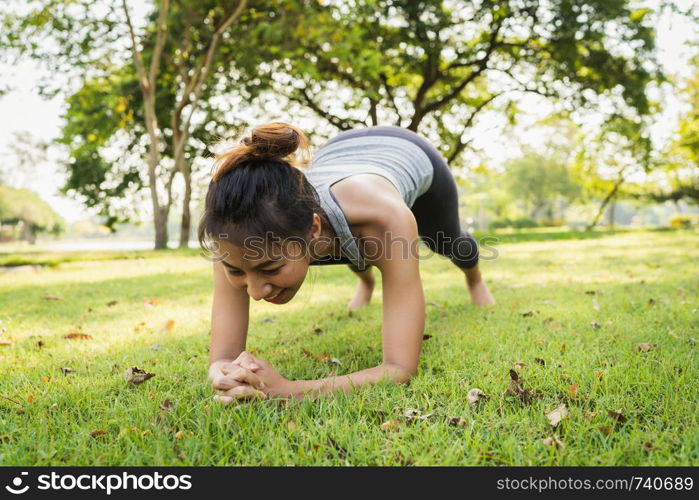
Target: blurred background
<point x="555" y="116"/>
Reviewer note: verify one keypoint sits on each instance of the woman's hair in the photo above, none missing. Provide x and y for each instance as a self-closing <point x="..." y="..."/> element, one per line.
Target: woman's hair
<point x="257" y="189"/>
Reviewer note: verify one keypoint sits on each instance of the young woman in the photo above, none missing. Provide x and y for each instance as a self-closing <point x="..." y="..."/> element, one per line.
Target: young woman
<point x="367" y="200"/>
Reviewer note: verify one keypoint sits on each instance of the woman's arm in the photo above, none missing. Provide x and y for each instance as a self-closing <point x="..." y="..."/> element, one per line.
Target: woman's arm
<point x="403" y="308"/>
<point x="229" y="321"/>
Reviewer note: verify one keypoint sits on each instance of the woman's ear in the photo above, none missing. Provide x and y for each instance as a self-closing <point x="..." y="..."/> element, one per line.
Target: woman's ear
<point x="316" y="227"/>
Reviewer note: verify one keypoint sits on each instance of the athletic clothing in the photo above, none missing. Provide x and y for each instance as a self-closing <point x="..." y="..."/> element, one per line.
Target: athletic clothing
<point x="418" y="172"/>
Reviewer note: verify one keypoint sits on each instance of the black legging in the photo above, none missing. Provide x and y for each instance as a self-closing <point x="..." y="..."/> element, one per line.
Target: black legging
<point x="437" y="210"/>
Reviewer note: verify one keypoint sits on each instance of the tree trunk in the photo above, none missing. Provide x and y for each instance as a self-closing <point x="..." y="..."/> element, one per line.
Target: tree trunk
<point x="612" y="206"/>
<point x="186" y="214"/>
<point x="160" y="221"/>
<point x="609" y="198"/>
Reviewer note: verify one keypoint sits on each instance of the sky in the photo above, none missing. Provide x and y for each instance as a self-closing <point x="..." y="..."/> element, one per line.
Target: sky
<point x="25" y="111"/>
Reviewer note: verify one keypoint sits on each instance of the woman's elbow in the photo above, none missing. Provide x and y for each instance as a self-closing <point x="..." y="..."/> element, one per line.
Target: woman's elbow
<point x="401" y="374"/>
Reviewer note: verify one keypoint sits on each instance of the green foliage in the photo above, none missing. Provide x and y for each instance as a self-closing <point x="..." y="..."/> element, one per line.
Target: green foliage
<point x="25" y="207"/>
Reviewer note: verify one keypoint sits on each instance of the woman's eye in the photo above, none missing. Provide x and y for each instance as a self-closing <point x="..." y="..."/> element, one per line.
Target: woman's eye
<point x="235" y="273"/>
<point x="273" y="271"/>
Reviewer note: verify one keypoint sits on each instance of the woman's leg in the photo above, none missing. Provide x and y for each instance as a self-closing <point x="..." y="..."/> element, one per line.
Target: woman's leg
<point x="365" y="287"/>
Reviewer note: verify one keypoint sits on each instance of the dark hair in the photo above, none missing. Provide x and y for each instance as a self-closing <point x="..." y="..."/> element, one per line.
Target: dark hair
<point x="258" y="189"/>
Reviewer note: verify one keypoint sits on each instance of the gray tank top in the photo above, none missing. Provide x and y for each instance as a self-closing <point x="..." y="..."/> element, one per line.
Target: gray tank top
<point x="400" y="161"/>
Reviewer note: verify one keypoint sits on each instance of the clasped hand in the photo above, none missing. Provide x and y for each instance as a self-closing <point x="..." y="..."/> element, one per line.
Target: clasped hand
<point x="248" y="377"/>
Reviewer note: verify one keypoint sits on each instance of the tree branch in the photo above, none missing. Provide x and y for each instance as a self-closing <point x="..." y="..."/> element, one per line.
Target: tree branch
<point x="160" y="42"/>
<point x="460" y="146"/>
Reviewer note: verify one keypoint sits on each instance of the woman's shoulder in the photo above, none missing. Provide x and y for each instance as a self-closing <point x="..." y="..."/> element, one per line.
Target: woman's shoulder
<point x="369" y="201"/>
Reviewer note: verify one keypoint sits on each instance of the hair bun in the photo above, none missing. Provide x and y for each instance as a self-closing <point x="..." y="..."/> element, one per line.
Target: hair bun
<point x="274" y="141"/>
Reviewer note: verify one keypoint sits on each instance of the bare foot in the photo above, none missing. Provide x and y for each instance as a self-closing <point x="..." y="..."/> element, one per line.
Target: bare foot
<point x="480" y="295"/>
<point x="362" y="295"/>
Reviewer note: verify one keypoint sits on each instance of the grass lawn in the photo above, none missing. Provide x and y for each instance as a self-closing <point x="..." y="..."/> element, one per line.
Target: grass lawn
<point x="569" y="320"/>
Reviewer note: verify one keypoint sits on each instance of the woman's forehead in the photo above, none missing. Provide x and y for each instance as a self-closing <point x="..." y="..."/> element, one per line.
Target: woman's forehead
<point x="258" y="251"/>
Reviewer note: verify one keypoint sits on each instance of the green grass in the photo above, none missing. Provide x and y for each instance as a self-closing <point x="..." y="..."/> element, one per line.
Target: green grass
<point x="656" y="391"/>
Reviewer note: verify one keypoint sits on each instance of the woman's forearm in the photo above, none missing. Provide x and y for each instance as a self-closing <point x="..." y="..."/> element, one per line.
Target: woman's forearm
<point x="346" y="383"/>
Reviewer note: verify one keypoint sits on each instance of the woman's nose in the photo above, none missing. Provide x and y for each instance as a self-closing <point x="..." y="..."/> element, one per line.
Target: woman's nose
<point x="258" y="289"/>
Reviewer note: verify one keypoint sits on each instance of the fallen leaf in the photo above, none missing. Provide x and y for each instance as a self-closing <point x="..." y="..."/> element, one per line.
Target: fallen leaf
<point x="166" y="405"/>
<point x="152" y="302"/>
<point x="590" y="292"/>
<point x="322" y="357"/>
<point x="475" y="395"/>
<point x="605" y="430"/>
<point x="40" y="343"/>
<point x="645" y="346"/>
<point x="617" y="416"/>
<point x="390" y="425"/>
<point x="589" y="415"/>
<point x="519" y="366"/>
<point x="291" y="425"/>
<point x="529" y="314"/>
<point x="317" y="330"/>
<point x="77" y="335"/>
<point x="595" y="324"/>
<point x="45" y="379"/>
<point x="335" y="361"/>
<point x="51" y="297"/>
<point x="112" y="303"/>
<point x="30" y="398"/>
<point x="515" y="388"/>
<point x="135" y="375"/>
<point x="458" y="421"/>
<point x="557" y="414"/>
<point x="168" y="326"/>
<point x="553" y="442"/>
<point x="565" y="376"/>
<point x="648" y="447"/>
<point x="426" y="337"/>
<point x="573" y="391"/>
<point x="540" y="361"/>
<point x="66" y="370"/>
<point x="179" y="435"/>
<point x="599" y="374"/>
<point x="97" y="433"/>
<point x="651" y="301"/>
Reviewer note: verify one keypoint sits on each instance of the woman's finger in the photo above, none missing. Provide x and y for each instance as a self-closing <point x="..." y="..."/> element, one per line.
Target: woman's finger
<point x="224" y="400"/>
<point x="244" y="392"/>
<point x="225" y="383"/>
<point x="242" y="375"/>
<point x="245" y="363"/>
<point x="245" y="358"/>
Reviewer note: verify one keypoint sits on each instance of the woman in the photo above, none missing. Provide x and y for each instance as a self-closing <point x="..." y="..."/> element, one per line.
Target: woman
<point x="367" y="200"/>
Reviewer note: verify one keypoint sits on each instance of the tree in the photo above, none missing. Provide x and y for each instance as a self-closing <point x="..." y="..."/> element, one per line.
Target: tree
<point x="434" y="65"/>
<point x="24" y="209"/>
<point x="173" y="60"/>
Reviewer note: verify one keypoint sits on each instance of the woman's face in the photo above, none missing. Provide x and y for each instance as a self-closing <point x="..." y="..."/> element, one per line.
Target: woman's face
<point x="274" y="274"/>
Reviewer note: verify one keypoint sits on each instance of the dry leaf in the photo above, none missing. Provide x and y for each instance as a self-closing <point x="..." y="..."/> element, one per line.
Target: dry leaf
<point x="565" y="376"/>
<point x="168" y="326"/>
<point x="589" y="415"/>
<point x="590" y="292"/>
<point x="573" y="391"/>
<point x="45" y="379"/>
<point x="112" y="303"/>
<point x="617" y="416"/>
<point x="30" y="398"/>
<point x="519" y="366"/>
<point x="651" y="301"/>
<point x="605" y="430"/>
<point x="553" y="442"/>
<point x="599" y="374"/>
<point x="557" y="414"/>
<point x="458" y="421"/>
<point x="51" y="297"/>
<point x="595" y="324"/>
<point x="648" y="447"/>
<point x="515" y="388"/>
<point x="426" y="337"/>
<point x="540" y="361"/>
<point x="291" y="425"/>
<point x="645" y="346"/>
<point x="391" y="425"/>
<point x="529" y="314"/>
<point x="135" y="375"/>
<point x="166" y="405"/>
<point x="97" y="432"/>
<point x="66" y="370"/>
<point x="317" y="330"/>
<point x="322" y="357"/>
<point x="335" y="361"/>
<point x="40" y="343"/>
<point x="475" y="395"/>
<point x="179" y="435"/>
<point x="77" y="335"/>
<point x="152" y="302"/>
